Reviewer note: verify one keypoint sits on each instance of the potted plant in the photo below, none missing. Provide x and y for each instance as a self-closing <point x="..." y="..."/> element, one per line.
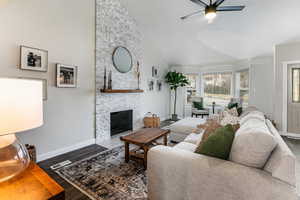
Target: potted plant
<point x="176" y="80"/>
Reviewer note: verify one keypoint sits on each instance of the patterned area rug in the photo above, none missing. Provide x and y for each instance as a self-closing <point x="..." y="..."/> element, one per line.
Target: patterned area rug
<point x="106" y="176"/>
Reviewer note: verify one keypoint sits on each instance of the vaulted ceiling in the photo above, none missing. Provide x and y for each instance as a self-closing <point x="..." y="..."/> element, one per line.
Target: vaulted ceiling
<point x="231" y="36"/>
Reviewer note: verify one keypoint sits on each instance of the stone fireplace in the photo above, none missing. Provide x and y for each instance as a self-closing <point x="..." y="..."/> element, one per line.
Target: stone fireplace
<point x="114" y="27"/>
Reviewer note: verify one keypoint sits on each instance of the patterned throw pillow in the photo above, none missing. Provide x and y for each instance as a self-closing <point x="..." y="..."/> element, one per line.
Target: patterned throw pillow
<point x="210" y="126"/>
<point x="229" y="119"/>
<point x="232" y="112"/>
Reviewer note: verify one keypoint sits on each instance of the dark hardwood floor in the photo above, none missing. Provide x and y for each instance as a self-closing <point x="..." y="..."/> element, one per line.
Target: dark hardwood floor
<point x="71" y="192"/>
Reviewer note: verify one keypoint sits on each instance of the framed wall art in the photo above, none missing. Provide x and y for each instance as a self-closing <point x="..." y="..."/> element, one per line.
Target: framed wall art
<point x="33" y="59"/>
<point x="66" y="76"/>
<point x="154" y="72"/>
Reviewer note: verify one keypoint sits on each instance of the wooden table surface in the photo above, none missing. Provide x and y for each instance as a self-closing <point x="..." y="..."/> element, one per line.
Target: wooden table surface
<point x="145" y="136"/>
<point x="32" y="184"/>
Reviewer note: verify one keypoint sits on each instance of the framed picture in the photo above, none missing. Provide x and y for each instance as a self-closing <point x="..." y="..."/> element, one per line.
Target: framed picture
<point x="34" y="59"/>
<point x="154" y="72"/>
<point x="159" y="85"/>
<point x="66" y="76"/>
<point x="150" y="85"/>
<point x="45" y="86"/>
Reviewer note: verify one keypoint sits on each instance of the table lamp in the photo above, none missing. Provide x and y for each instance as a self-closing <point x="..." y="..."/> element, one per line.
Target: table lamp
<point x="21" y="109"/>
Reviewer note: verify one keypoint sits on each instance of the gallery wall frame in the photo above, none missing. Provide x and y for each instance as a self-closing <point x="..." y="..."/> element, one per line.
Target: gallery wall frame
<point x="33" y="59"/>
<point x="66" y="76"/>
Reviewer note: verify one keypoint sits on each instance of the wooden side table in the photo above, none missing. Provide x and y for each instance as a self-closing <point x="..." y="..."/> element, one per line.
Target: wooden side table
<point x="32" y="184"/>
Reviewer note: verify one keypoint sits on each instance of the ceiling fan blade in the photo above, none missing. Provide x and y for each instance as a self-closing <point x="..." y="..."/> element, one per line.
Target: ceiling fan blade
<point x="230" y="8"/>
<point x="190" y="15"/>
<point x="218" y="2"/>
<point x="199" y="2"/>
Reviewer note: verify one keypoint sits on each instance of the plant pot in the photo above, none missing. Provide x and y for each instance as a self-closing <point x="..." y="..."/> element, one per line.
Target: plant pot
<point x="174" y="117"/>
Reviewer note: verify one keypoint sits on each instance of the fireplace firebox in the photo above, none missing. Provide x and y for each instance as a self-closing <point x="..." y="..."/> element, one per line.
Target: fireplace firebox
<point x="120" y="122"/>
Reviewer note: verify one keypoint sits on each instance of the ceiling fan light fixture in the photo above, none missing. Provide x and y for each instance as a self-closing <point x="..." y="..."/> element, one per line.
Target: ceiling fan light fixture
<point x="210" y="13"/>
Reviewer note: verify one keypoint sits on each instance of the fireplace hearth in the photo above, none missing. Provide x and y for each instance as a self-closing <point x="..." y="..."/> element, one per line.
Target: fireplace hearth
<point x="120" y="122"/>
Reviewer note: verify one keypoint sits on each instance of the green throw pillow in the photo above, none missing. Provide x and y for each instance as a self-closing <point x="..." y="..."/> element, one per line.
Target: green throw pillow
<point x="218" y="144"/>
<point x="198" y="105"/>
<point x="232" y="105"/>
<point x="240" y="110"/>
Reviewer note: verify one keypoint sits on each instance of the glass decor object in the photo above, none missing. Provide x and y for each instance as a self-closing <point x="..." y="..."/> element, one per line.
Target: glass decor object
<point x="21" y="109"/>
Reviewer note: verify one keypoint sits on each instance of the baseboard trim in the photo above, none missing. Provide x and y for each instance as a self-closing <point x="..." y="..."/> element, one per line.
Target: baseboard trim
<point x="58" y="152"/>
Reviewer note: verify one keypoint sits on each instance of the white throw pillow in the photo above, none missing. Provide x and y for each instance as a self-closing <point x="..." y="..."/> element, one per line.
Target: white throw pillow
<point x="253" y="115"/>
<point x="253" y="143"/>
<point x="229" y="119"/>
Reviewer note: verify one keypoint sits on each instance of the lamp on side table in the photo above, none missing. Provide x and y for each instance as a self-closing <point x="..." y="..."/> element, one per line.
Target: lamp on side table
<point x="21" y="109"/>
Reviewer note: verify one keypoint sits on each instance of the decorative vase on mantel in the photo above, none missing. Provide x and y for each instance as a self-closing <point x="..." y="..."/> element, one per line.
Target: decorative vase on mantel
<point x="104" y="85"/>
<point x="109" y="86"/>
<point x="138" y="74"/>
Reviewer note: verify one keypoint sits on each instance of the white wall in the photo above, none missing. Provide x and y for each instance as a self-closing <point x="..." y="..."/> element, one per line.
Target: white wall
<point x="157" y="102"/>
<point x="67" y="30"/>
<point x="261" y="84"/>
<point x="283" y="53"/>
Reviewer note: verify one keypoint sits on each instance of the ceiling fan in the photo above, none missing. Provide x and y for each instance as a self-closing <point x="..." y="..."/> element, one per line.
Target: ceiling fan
<point x="211" y="9"/>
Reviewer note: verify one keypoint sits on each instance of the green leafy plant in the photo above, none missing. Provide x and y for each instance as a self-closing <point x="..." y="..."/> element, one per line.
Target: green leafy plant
<point x="176" y="80"/>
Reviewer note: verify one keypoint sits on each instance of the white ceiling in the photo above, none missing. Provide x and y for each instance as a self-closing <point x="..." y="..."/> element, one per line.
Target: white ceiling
<point x="231" y="36"/>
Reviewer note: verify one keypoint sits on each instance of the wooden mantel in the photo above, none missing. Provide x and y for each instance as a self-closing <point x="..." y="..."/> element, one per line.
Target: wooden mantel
<point x="121" y="91"/>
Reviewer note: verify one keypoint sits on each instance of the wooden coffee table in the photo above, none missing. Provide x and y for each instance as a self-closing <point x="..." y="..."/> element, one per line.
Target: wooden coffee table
<point x="144" y="138"/>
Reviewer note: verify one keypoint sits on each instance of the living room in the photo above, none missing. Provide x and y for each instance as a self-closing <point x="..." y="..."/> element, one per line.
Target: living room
<point x="99" y="73"/>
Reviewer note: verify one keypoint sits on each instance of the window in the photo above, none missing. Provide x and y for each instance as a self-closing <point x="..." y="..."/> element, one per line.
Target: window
<point x="217" y="88"/>
<point x="191" y="88"/>
<point x="242" y="86"/>
<point x="296" y="85"/>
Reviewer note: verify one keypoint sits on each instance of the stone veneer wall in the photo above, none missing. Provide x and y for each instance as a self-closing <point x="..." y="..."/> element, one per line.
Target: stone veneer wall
<point x="114" y="27"/>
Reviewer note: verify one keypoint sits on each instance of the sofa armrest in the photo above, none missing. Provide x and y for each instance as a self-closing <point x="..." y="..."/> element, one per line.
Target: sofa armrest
<point x="176" y="174"/>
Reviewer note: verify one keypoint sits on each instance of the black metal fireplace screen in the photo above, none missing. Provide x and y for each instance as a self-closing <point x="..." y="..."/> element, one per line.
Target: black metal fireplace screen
<point x="120" y="122"/>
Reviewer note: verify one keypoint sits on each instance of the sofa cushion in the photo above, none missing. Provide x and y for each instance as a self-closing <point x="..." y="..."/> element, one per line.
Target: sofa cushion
<point x="194" y="138"/>
<point x="253" y="144"/>
<point x="186" y="146"/>
<point x="282" y="162"/>
<point x="186" y="125"/>
<point x="253" y="115"/>
<point x="218" y="144"/>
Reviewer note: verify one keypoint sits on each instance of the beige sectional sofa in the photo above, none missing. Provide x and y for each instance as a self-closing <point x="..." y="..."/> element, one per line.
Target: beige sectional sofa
<point x="177" y="173"/>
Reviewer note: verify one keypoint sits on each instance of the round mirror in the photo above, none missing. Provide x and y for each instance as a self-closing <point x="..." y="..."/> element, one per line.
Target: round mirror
<point x="122" y="59"/>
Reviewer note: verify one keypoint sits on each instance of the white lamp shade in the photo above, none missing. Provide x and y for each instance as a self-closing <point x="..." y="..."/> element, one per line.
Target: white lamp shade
<point x="21" y="105"/>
